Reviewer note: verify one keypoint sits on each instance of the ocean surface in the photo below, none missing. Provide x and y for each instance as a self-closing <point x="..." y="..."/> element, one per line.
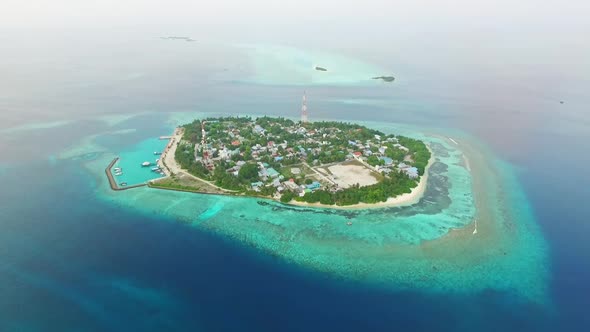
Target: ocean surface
<point x="75" y="256"/>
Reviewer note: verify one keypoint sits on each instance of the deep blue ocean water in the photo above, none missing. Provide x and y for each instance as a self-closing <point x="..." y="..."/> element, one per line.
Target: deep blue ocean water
<point x="72" y="265"/>
<point x="69" y="262"/>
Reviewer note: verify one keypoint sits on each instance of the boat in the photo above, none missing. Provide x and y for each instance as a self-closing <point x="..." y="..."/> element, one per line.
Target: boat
<point x="155" y="169"/>
<point x="118" y="173"/>
<point x="146" y="164"/>
<point x="157" y="160"/>
<point x="123" y="184"/>
<point x="157" y="153"/>
<point x="117" y="169"/>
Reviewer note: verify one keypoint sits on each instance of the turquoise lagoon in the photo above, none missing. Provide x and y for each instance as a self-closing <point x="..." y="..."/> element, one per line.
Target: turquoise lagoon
<point x="130" y="162"/>
<point x="278" y="65"/>
<point x="429" y="246"/>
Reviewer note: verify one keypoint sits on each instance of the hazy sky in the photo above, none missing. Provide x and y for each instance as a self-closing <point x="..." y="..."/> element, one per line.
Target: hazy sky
<point x="48" y="46"/>
<point x="131" y="12"/>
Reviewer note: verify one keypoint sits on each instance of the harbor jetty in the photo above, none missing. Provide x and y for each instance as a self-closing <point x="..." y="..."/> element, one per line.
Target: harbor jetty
<point x="113" y="183"/>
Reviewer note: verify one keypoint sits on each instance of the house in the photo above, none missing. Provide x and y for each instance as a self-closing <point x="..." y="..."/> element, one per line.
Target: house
<point x="258" y="129"/>
<point x="412" y="172"/>
<point x="357" y="154"/>
<point x="367" y="152"/>
<point x="256" y="184"/>
<point x="272" y="172"/>
<point x="402" y="166"/>
<point x="235" y="142"/>
<point x="401" y="147"/>
<point x="278" y="158"/>
<point x="386" y="160"/>
<point x="313" y="186"/>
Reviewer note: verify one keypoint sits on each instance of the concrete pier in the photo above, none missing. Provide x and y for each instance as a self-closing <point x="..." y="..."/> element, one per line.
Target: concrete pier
<point x="113" y="183"/>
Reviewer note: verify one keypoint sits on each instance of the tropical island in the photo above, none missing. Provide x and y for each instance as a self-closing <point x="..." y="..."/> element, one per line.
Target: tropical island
<point x="387" y="79"/>
<point x="324" y="163"/>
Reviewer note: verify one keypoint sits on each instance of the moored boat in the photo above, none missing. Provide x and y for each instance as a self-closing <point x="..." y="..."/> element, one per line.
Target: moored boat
<point x="146" y="164"/>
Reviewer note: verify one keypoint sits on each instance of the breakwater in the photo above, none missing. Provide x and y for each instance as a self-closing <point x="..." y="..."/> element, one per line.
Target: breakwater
<point x="113" y="183"/>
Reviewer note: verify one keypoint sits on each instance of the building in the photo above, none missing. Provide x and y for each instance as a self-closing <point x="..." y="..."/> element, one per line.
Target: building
<point x="313" y="186"/>
<point x="258" y="129"/>
<point x="272" y="172"/>
<point x="412" y="172"/>
<point x="387" y="161"/>
<point x="304" y="109"/>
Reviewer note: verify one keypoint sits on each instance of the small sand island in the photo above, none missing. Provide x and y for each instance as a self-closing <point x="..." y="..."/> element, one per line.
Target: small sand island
<point x="188" y="39"/>
<point x="328" y="164"/>
<point x="387" y="79"/>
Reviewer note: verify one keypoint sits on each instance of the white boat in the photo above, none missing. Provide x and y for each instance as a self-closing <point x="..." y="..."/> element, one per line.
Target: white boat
<point x="157" y="159"/>
<point x="146" y="164"/>
<point x="157" y="153"/>
<point x="118" y="174"/>
<point x="155" y="169"/>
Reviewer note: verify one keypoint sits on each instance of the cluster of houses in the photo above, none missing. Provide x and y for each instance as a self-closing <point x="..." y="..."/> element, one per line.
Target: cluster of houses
<point x="388" y="164"/>
<point x="230" y="143"/>
<point x="270" y="176"/>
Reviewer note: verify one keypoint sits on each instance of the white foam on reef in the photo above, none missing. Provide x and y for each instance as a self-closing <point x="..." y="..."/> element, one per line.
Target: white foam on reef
<point x="429" y="246"/>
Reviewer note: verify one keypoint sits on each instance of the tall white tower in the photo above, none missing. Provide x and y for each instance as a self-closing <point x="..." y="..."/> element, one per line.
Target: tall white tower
<point x="304" y="109"/>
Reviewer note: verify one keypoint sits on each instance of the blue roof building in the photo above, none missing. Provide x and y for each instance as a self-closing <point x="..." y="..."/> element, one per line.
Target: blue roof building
<point x="258" y="129"/>
<point x="314" y="185"/>
<point x="412" y="172"/>
<point x="272" y="172"/>
<point x="387" y="160"/>
<point x="257" y="184"/>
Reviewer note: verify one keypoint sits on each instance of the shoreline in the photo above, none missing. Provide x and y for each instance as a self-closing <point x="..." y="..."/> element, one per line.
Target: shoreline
<point x="168" y="163"/>
<point x="406" y="199"/>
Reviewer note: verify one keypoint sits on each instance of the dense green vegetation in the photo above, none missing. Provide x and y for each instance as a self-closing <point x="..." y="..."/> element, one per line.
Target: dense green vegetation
<point x="298" y="144"/>
<point x="396" y="184"/>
